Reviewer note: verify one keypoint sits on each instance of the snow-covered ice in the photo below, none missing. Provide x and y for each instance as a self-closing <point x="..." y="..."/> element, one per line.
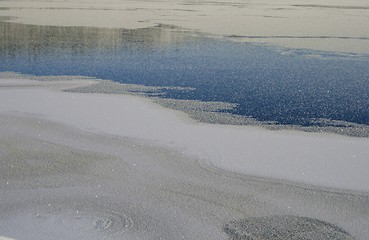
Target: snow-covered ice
<point x="325" y="160"/>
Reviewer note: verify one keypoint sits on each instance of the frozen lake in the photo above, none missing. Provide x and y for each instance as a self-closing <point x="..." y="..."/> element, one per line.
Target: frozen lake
<point x="84" y="156"/>
<point x="270" y="84"/>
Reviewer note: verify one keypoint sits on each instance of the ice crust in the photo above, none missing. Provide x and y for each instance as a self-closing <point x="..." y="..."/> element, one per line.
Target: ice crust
<point x="325" y="160"/>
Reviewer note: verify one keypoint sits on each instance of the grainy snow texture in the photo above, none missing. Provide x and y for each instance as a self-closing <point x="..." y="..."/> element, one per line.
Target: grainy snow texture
<point x="113" y="166"/>
<point x="73" y="168"/>
<point x="313" y="158"/>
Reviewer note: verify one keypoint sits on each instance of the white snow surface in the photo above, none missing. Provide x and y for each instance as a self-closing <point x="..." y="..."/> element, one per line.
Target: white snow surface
<point x="325" y="160"/>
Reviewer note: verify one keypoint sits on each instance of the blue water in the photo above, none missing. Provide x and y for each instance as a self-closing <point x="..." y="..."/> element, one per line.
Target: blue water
<point x="267" y="85"/>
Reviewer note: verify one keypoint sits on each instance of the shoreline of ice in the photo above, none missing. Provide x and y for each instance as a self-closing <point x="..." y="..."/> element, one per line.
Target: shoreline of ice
<point x="325" y="160"/>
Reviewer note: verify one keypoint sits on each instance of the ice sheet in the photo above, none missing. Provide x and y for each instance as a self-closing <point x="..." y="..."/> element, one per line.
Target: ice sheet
<point x="335" y="25"/>
<point x="310" y="158"/>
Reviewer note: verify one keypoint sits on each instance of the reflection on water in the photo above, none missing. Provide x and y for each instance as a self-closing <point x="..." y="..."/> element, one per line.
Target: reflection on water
<point x="38" y="41"/>
<point x="287" y="87"/>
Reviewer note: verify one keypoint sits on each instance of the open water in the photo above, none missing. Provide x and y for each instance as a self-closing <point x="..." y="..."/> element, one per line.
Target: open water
<point x="269" y="84"/>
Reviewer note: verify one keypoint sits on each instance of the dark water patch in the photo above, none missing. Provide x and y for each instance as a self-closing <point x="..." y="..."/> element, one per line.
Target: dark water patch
<point x="214" y="112"/>
<point x="264" y="84"/>
<point x="284" y="227"/>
